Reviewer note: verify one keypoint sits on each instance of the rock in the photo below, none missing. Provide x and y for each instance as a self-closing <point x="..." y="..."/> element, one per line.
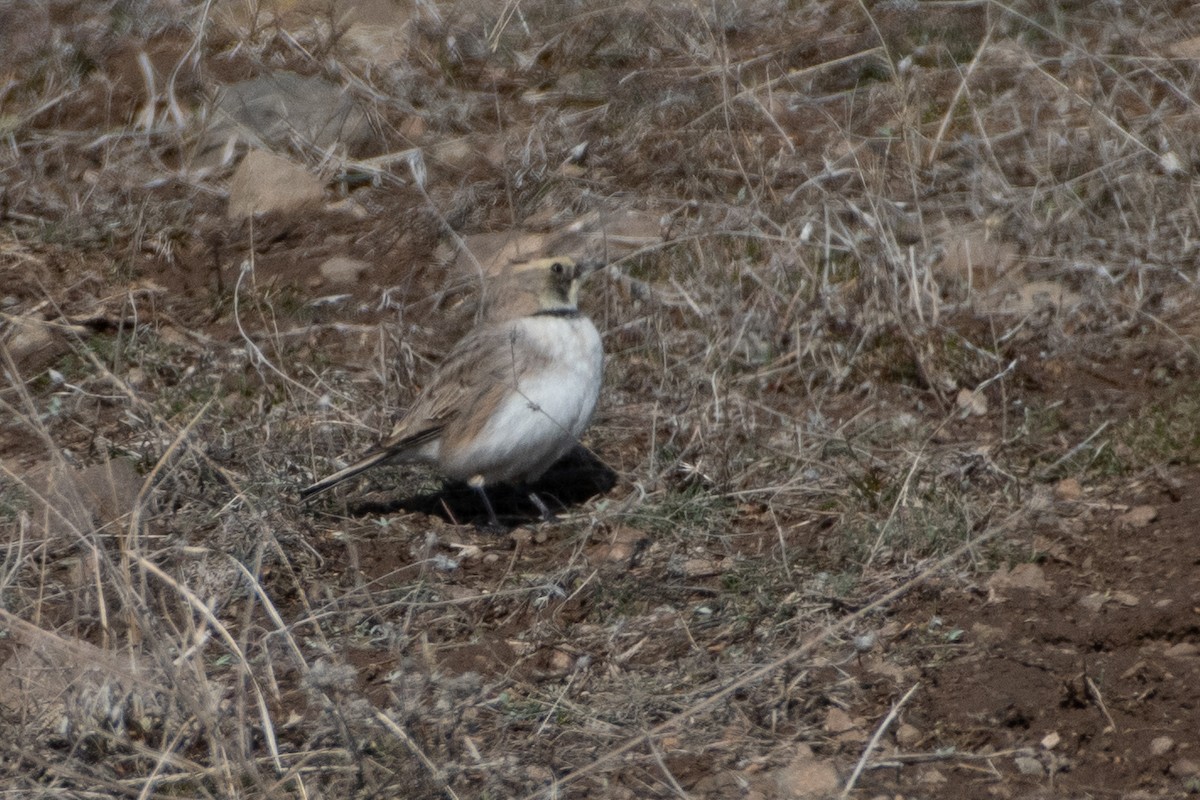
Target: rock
<point x="1022" y="576"/>
<point x="701" y="567"/>
<point x="34" y="345"/>
<point x="621" y="546"/>
<point x="468" y="152"/>
<point x="380" y="29"/>
<point x="865" y="642"/>
<point x="1185" y="48"/>
<point x="1126" y="598"/>
<point x="724" y="783"/>
<point x="877" y="665"/>
<point x="266" y="182"/>
<point x="538" y="773"/>
<point x="1052" y="548"/>
<point x="1028" y="576"/>
<point x="931" y="777"/>
<point x="1170" y="163"/>
<point x="1138" y="516"/>
<point x="343" y="271"/>
<point x="908" y="735"/>
<point x="1182" y="650"/>
<point x="973" y="404"/>
<point x="806" y="777"/>
<point x="559" y="662"/>
<point x="1068" y="489"/>
<point x="272" y="110"/>
<point x="1185" y="768"/>
<point x="838" y="721"/>
<point x="1161" y="745"/>
<point x="987" y="634"/>
<point x="1028" y="765"/>
<point x="350" y="207"/>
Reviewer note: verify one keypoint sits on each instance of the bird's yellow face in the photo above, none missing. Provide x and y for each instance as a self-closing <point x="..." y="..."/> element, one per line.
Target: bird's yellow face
<point x="560" y="283"/>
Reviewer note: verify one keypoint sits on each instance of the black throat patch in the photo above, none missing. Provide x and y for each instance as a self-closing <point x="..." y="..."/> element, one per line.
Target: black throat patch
<point x="563" y="313"/>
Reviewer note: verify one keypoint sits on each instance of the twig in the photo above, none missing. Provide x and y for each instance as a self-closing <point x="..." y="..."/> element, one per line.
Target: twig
<point x="948" y="117"/>
<point x="679" y="790"/>
<point x="1076" y="449"/>
<point x="1094" y="691"/>
<point x="883" y="726"/>
<point x="945" y="754"/>
<point x="416" y="750"/>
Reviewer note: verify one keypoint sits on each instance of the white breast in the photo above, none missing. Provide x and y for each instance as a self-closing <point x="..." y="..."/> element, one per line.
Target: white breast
<point x="549" y="409"/>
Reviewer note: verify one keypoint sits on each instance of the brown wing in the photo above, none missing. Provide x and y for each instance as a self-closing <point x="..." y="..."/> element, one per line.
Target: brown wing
<point x="475" y="376"/>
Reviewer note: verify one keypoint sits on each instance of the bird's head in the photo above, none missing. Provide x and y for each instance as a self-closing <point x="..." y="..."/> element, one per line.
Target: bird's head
<point x="541" y="285"/>
<point x="559" y="278"/>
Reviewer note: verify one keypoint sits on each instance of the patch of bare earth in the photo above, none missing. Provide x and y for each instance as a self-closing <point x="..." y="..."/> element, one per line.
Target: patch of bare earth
<point x="1070" y="675"/>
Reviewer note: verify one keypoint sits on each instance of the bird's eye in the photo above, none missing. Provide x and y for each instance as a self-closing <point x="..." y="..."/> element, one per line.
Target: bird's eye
<point x="556" y="268"/>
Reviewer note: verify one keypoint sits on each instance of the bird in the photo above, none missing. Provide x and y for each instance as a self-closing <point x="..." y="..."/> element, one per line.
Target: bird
<point x="512" y="396"/>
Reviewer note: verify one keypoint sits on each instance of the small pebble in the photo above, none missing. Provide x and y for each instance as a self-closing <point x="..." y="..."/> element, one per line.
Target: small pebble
<point x="1027" y="765"/>
<point x="907" y="735"/>
<point x="1161" y="745"/>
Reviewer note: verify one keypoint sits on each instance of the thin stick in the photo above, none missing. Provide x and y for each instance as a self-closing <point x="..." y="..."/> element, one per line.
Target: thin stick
<point x="1074" y="451"/>
<point x="679" y="790"/>
<point x="202" y="609"/>
<point x="883" y="726"/>
<point x="416" y="750"/>
<point x="1094" y="691"/>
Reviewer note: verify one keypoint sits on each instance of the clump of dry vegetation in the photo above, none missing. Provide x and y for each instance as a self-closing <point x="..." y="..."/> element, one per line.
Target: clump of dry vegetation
<point x="884" y="277"/>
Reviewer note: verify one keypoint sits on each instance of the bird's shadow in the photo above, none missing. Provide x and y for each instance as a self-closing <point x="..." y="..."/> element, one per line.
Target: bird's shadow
<point x="573" y="479"/>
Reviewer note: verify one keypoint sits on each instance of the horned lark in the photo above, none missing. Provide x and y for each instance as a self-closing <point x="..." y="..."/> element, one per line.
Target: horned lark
<point x="512" y="396"/>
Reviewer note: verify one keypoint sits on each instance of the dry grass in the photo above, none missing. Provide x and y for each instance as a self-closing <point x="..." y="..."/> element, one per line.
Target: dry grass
<point x="863" y="211"/>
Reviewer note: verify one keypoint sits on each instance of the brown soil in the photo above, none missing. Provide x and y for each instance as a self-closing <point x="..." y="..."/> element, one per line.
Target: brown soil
<point x="1091" y="673"/>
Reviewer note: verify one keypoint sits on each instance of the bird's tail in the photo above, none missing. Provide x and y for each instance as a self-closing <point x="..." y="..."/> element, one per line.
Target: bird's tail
<point x="362" y="465"/>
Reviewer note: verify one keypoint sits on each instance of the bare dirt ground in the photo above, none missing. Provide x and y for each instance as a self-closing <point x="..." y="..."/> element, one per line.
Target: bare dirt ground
<point x="894" y="490"/>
